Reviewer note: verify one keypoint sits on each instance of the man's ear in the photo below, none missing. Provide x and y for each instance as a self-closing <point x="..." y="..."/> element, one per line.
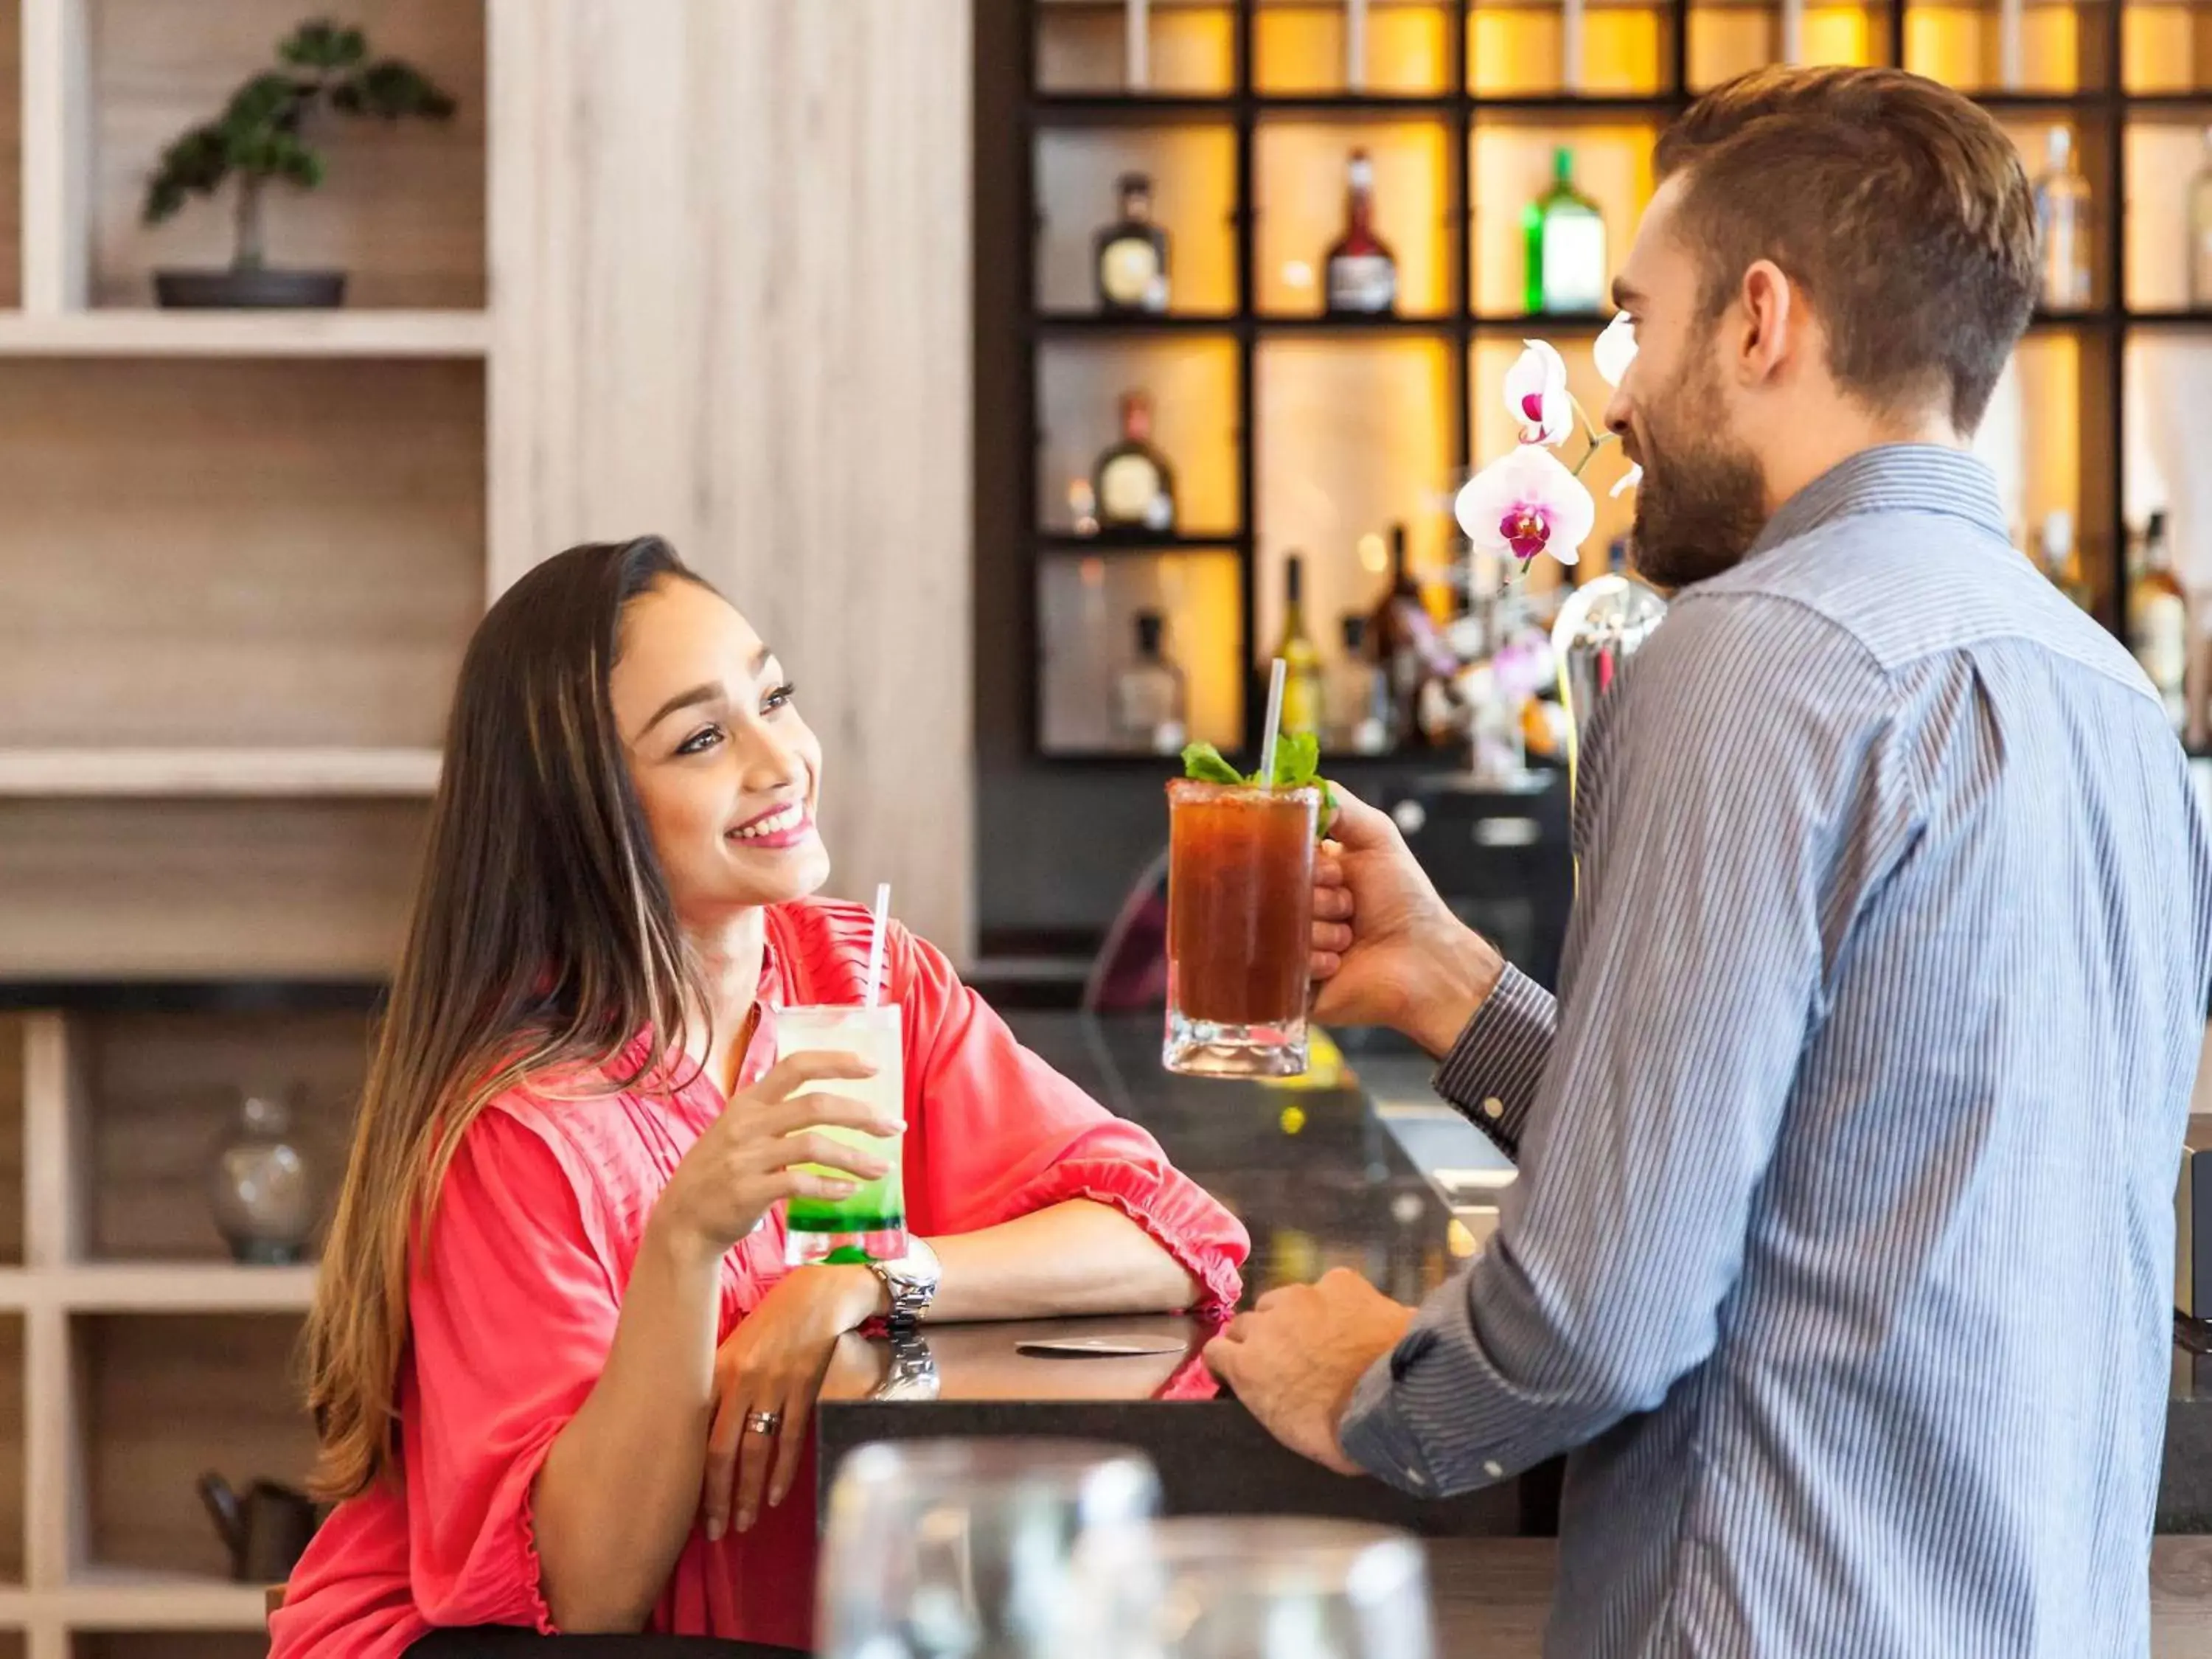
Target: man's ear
<point x="1773" y="324"/>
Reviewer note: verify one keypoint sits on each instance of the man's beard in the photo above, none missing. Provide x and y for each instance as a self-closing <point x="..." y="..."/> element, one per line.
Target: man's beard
<point x="1702" y="502"/>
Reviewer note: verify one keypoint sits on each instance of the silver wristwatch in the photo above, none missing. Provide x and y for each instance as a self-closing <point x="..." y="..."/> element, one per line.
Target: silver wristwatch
<point x="909" y="1282"/>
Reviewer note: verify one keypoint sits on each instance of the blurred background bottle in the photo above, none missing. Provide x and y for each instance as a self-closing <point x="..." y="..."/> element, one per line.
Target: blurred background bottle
<point x="1151" y="695"/>
<point x="1565" y="245"/>
<point x="2062" y="217"/>
<point x="1132" y="483"/>
<point x="1360" y="271"/>
<point x="1131" y="254"/>
<point x="1359" y="697"/>
<point x="1303" y="692"/>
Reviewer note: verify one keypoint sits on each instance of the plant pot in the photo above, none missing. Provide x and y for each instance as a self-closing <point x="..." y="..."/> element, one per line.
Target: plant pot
<point x="262" y="289"/>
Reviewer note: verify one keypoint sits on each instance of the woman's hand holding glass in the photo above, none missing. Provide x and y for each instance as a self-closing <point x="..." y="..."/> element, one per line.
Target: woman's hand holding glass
<point x="750" y="1158"/>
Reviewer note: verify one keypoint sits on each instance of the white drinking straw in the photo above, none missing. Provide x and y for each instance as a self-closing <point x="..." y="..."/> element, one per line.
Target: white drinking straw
<point x="876" y="943"/>
<point x="1274" y="721"/>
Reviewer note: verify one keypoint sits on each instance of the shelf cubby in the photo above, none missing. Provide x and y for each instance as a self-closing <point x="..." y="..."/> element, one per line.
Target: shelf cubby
<point x="1192" y="383"/>
<point x="2165" y="48"/>
<point x="159" y="1399"/>
<point x="402" y="213"/>
<point x="1194" y="173"/>
<point x="1306" y="48"/>
<point x="154" y="1095"/>
<point x="2161" y="152"/>
<point x="1298" y="209"/>
<point x="1090" y="607"/>
<point x="1728" y="38"/>
<point x="290" y="555"/>
<point x="1997" y="49"/>
<point x="1084" y="45"/>
<point x="177" y="888"/>
<point x="1353" y="437"/>
<point x="1597" y="49"/>
<point x="1509" y="164"/>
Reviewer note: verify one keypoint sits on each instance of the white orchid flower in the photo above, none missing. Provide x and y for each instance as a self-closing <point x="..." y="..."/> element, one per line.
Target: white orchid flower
<point x="1525" y="503"/>
<point x="1536" y="395"/>
<point x="1626" y="481"/>
<point x="1616" y="348"/>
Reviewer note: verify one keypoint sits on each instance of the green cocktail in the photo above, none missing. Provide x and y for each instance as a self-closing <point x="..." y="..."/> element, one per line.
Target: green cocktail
<point x="870" y="1224"/>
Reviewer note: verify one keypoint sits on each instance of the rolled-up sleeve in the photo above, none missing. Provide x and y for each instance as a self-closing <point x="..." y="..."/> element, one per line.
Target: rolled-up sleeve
<point x="1005" y="1135"/>
<point x="1735" y="815"/>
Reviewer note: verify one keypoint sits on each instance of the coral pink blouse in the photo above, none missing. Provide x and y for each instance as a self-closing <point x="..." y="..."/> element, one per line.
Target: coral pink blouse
<point x="513" y="1301"/>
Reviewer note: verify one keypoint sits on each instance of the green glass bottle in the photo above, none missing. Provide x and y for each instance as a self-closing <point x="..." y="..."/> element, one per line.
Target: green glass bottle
<point x="1565" y="246"/>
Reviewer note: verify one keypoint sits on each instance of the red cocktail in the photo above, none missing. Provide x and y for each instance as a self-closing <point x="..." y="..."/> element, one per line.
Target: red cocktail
<point x="1240" y="926"/>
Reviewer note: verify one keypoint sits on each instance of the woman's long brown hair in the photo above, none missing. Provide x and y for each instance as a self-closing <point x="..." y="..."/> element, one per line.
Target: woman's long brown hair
<point x="543" y="940"/>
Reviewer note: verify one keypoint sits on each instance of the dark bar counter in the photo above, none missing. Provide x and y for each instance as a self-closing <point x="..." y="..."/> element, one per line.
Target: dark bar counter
<point x="1321" y="1181"/>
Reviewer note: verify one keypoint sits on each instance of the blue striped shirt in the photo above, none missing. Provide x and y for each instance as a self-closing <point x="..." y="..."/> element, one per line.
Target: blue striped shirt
<point x="1843" y="1245"/>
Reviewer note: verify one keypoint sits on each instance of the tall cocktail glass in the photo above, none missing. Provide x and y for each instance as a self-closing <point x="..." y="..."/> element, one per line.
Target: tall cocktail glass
<point x="868" y="1224"/>
<point x="1240" y="926"/>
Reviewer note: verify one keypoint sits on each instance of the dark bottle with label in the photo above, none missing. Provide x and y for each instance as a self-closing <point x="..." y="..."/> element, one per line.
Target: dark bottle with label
<point x="1131" y="255"/>
<point x="1407" y="645"/>
<point x="1133" y="484"/>
<point x="1360" y="271"/>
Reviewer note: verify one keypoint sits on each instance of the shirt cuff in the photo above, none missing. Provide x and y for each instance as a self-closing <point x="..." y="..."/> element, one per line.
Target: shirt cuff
<point x="1493" y="1070"/>
<point x="1376" y="1435"/>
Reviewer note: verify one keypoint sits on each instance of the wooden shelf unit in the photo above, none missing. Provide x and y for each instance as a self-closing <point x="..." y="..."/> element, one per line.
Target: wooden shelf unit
<point x="1460" y="108"/>
<point x="245" y="551"/>
<point x="122" y="1377"/>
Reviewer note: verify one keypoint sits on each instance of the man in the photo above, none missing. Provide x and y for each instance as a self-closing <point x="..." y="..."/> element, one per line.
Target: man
<point x="1842" y="1245"/>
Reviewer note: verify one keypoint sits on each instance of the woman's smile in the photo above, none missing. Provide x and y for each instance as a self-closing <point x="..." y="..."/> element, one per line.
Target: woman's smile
<point x="777" y="830"/>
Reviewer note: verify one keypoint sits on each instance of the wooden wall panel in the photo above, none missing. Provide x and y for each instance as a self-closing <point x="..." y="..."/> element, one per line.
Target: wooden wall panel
<point x="730" y="259"/>
<point x="403" y="208"/>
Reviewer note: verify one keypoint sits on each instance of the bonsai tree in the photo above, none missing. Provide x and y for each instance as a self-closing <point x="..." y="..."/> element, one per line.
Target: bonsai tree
<point x="259" y="135"/>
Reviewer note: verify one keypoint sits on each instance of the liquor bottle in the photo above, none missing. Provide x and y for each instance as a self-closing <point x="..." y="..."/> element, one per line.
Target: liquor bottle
<point x="1303" y="708"/>
<point x="1132" y="253"/>
<point x="1151" y="698"/>
<point x="2061" y="558"/>
<point x="2200" y="229"/>
<point x="1408" y="645"/>
<point x="1362" y="273"/>
<point x="2158" y="621"/>
<point x="1358" y="696"/>
<point x="2062" y="220"/>
<point x="1564" y="234"/>
<point x="1132" y="482"/>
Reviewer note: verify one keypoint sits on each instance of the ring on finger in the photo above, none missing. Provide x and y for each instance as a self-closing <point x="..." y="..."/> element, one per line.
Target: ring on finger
<point x="765" y="1423"/>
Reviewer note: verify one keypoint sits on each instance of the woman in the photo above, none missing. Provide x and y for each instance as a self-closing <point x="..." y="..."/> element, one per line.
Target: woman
<point x="553" y="1317"/>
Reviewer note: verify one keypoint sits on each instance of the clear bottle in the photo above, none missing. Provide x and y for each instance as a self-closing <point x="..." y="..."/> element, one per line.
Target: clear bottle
<point x="1564" y="236"/>
<point x="1408" y="645"/>
<point x="2200" y="229"/>
<point x="1132" y="253"/>
<point x="1303" y="707"/>
<point x="1151" y="694"/>
<point x="2062" y="220"/>
<point x="1132" y="482"/>
<point x="1358" y="696"/>
<point x="1359" y="272"/>
<point x="2158" y="621"/>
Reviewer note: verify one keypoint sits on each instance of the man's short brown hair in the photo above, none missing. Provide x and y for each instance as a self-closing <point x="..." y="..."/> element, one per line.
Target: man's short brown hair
<point x="1899" y="207"/>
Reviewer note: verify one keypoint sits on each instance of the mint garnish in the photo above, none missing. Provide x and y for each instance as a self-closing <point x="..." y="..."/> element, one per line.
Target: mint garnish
<point x="1298" y="764"/>
<point x="1203" y="761"/>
